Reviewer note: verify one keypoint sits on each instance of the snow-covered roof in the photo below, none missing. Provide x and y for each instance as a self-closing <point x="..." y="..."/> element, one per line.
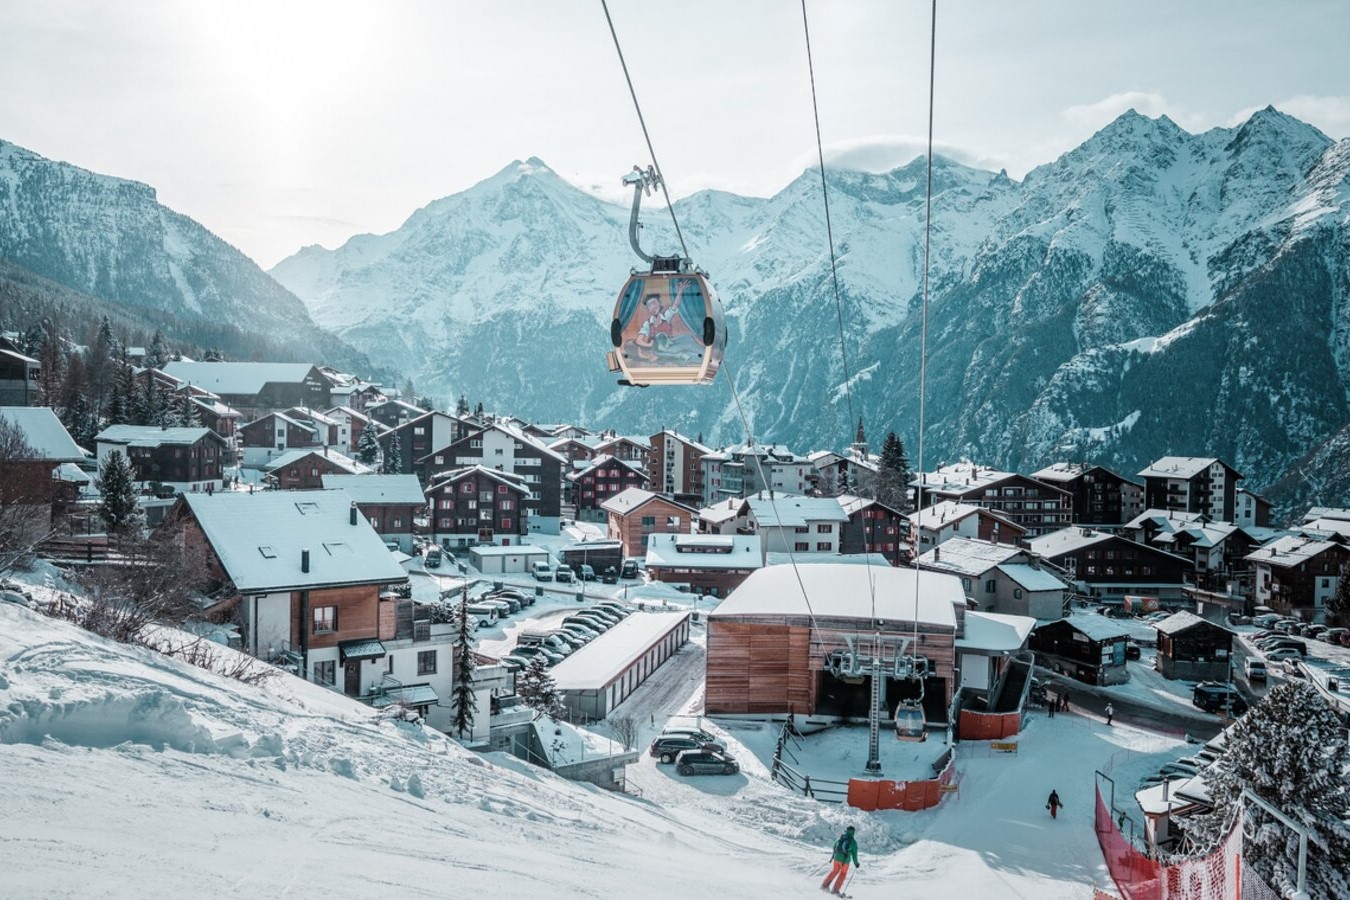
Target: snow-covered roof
<point x="792" y="511"/>
<point x="283" y="417"/>
<point x="259" y="538"/>
<point x="969" y="556"/>
<point x="1164" y="519"/>
<point x="1064" y="472"/>
<point x="1180" y="621"/>
<point x="844" y="591"/>
<point x="1202" y="536"/>
<point x="995" y="632"/>
<point x="524" y="550"/>
<point x="44" y="433"/>
<point x="313" y="415"/>
<point x="375" y="489"/>
<point x="948" y="512"/>
<point x="784" y="558"/>
<point x="153" y="435"/>
<point x="1290" y="551"/>
<point x="348" y="412"/>
<point x="631" y="498"/>
<point x="721" y="512"/>
<point x="637" y="440"/>
<point x="238" y="377"/>
<point x="1166" y="797"/>
<point x="1096" y="626"/>
<point x="684" y="439"/>
<point x="852" y="505"/>
<point x="962" y="477"/>
<point x="1033" y="578"/>
<point x="1069" y="540"/>
<point x="705" y="551"/>
<point x="529" y="440"/>
<point x="607" y="657"/>
<point x="604" y="460"/>
<point x="451" y="476"/>
<point x="1328" y="525"/>
<point x="1327" y="512"/>
<point x="342" y="461"/>
<point x="1179" y="467"/>
<point x="15" y="354"/>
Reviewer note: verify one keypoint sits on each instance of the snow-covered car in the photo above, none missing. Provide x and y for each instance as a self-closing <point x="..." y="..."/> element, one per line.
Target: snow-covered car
<point x="563" y="575"/>
<point x="579" y="631"/>
<point x="552" y="657"/>
<point x="541" y="571"/>
<point x="593" y="625"/>
<point x="615" y="607"/>
<point x="706" y="762"/>
<point x="1280" y="654"/>
<point x="697" y="734"/>
<point x="1177" y="768"/>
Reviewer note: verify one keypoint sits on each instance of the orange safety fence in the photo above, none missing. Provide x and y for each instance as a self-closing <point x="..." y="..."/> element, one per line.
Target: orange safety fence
<point x="978" y="726"/>
<point x="911" y="796"/>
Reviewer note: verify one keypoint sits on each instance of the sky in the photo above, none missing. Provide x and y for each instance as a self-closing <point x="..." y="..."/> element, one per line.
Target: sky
<point x="279" y="125"/>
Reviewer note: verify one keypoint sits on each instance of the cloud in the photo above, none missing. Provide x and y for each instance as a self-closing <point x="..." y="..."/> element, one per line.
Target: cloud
<point x="884" y="152"/>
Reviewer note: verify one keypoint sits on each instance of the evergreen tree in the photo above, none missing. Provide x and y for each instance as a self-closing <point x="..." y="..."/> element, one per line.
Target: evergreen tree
<point x="893" y="474"/>
<point x="1338" y="605"/>
<point x="368" y="445"/>
<point x="123" y="403"/>
<point x="463" y="702"/>
<point x="393" y="454"/>
<point x="462" y="407"/>
<point x="1290" y="750"/>
<point x="116" y="482"/>
<point x="158" y="354"/>
<point x="536" y="689"/>
<point x="189" y="414"/>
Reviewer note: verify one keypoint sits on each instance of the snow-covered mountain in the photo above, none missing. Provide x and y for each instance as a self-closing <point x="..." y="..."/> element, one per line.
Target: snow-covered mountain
<point x="1151" y="291"/>
<point x="111" y="239"/>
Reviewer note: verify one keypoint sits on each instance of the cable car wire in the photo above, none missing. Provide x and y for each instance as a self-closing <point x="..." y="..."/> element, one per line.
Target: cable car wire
<point x="684" y="250"/>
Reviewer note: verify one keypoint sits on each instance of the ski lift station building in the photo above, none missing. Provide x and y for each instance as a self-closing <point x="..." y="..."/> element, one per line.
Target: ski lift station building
<point x="770" y="642"/>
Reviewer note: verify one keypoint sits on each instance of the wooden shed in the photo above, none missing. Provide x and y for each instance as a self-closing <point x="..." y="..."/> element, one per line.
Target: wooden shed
<point x="1194" y="649"/>
<point x="1089" y="647"/>
<point x="771" y="641"/>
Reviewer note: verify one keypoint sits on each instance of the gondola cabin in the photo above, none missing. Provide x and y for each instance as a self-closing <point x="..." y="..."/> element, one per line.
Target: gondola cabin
<point x="668" y="328"/>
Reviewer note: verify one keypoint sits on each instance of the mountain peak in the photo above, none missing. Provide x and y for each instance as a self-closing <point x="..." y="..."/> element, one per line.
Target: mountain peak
<point x="1132" y="125"/>
<point x="1273" y="123"/>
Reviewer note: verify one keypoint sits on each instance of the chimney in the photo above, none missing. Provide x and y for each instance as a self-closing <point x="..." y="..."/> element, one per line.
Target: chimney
<point x="352" y="516"/>
<point x="304" y="560"/>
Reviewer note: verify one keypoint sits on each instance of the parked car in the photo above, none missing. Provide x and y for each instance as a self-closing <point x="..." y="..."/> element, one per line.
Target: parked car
<point x="589" y="624"/>
<point x="610" y="575"/>
<point x="432" y="559"/>
<point x="553" y="657"/>
<point x="485" y="614"/>
<point x="690" y="731"/>
<point x="706" y="762"/>
<point x="1132" y="650"/>
<point x="1335" y="635"/>
<point x="541" y="572"/>
<point x="629" y="569"/>
<point x="1116" y="612"/>
<point x="545" y="639"/>
<point x="503" y="608"/>
<point x="1265" y="620"/>
<point x="580" y="629"/>
<point x="1255" y="669"/>
<point x="614" y="605"/>
<point x="596" y="613"/>
<point x="514" y="663"/>
<point x="1316" y="631"/>
<point x="1280" y="654"/>
<point x="590" y="620"/>
<point x="665" y="749"/>
<point x="1176" y="768"/>
<point x="563" y="574"/>
<point x="1211" y="696"/>
<point x="587" y="573"/>
<point x="1294" y="669"/>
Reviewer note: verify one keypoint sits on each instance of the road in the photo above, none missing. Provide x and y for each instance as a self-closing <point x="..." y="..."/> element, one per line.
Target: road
<point x="1089" y="700"/>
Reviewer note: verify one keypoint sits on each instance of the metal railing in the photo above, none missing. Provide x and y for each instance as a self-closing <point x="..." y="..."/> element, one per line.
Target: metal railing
<point x="823" y="789"/>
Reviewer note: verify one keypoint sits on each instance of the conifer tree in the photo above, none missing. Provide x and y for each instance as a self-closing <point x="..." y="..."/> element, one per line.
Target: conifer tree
<point x="116" y="482"/>
<point x="393" y="455"/>
<point x="893" y="474"/>
<point x="1338" y="605"/>
<point x="536" y="688"/>
<point x="368" y="445"/>
<point x="157" y="354"/>
<point x="463" y="702"/>
<point x="462" y="407"/>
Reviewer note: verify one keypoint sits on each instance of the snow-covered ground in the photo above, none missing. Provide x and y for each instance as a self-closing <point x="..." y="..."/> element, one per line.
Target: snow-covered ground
<point x="129" y="774"/>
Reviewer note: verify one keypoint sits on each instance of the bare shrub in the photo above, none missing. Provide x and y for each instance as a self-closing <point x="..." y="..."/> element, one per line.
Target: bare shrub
<point x="625" y="730"/>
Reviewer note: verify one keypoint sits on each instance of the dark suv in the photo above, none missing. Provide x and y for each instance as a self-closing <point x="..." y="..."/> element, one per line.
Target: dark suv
<point x="667" y="747"/>
<point x="1211" y="696"/>
<point x="706" y="762"/>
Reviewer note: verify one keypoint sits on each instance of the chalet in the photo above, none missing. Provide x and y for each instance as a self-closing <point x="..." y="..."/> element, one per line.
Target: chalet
<point x="219" y="416"/>
<point x="255" y="388"/>
<point x="635" y="514"/>
<point x="849" y="472"/>
<point x="728" y="516"/>
<point x="712" y="564"/>
<point x="418" y="437"/>
<point x="184" y="459"/>
<point x="1193" y="649"/>
<point x="746" y="469"/>
<point x="1194" y="484"/>
<point x="327" y="429"/>
<point x="791" y="640"/>
<point x="1251" y="509"/>
<point x="504" y="448"/>
<point x="1202" y="542"/>
<point x="388" y="503"/>
<point x="1034" y="505"/>
<point x="788" y="522"/>
<point x="1108" y="566"/>
<point x="32" y="480"/>
<point x="631" y="449"/>
<point x="948" y="519"/>
<point x="304" y="470"/>
<point x="351" y="422"/>
<point x="1297" y="574"/>
<point x="307" y="572"/>
<point x="873" y="527"/>
<point x="393" y="413"/>
<point x="20" y="378"/>
<point x="676" y="466"/>
<point x="1000" y="577"/>
<point x="475" y="504"/>
<point x="579" y="451"/>
<point x="274" y="434"/>
<point x="1088" y="647"/>
<point x="603" y="478"/>
<point x="1099" y="496"/>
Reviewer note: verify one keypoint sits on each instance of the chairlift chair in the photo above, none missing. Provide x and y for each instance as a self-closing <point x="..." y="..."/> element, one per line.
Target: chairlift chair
<point x="668" y="326"/>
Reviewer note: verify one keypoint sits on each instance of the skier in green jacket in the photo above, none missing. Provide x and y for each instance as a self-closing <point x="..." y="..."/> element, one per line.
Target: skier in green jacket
<point x="845" y="851"/>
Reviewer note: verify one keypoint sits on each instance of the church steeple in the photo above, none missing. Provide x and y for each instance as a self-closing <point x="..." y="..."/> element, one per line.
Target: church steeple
<point x="859" y="445"/>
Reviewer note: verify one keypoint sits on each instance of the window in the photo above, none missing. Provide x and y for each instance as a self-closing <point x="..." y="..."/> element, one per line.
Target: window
<point x="509" y="504"/>
<point x="506" y="524"/>
<point x="501" y="489"/>
<point x="397" y="522"/>
<point x="824" y="545"/>
<point x="447" y="504"/>
<point x="326" y="672"/>
<point x="313" y="471"/>
<point x="800" y="529"/>
<point x="1017" y="593"/>
<point x="801" y="546"/>
<point x="375" y="522"/>
<point x="498" y="452"/>
<point x="649" y="521"/>
<point x="990" y="586"/>
<point x="325" y="619"/>
<point x="673" y="523"/>
<point x="426" y="662"/>
<point x="825" y="529"/>
<point x="466" y="487"/>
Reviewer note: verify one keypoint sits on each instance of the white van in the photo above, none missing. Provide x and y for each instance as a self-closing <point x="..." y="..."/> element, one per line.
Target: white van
<point x="1255" y="669"/>
<point x="542" y="572"/>
<point x="484" y="613"/>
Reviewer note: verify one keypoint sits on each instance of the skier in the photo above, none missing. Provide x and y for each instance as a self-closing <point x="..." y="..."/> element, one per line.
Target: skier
<point x="1110" y="712"/>
<point x="845" y="851"/>
<point x="1053" y="804"/>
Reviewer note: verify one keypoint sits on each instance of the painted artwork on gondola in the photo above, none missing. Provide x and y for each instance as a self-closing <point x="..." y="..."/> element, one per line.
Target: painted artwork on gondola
<point x="662" y="320"/>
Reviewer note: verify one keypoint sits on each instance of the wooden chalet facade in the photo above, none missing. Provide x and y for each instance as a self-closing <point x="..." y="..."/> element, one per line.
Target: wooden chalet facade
<point x="515" y="453"/>
<point x="184" y="459"/>
<point x="1099" y="496"/>
<point x="1296" y="575"/>
<point x="477" y="504"/>
<point x="712" y="564"/>
<point x="388" y="502"/>
<point x="304" y="470"/>
<point x="1194" y="649"/>
<point x="768" y="655"/>
<point x="272" y="435"/>
<point x="1089" y="648"/>
<point x="635" y="513"/>
<point x="1108" y="567"/>
<point x="20" y="377"/>
<point x="256" y="388"/>
<point x="937" y="524"/>
<point x="605" y="477"/>
<point x="874" y="527"/>
<point x="1038" y="507"/>
<point x="418" y="437"/>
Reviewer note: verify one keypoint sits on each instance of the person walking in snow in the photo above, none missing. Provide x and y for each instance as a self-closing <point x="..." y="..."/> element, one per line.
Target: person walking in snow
<point x="845" y="851"/>
<point x="1110" y="712"/>
<point x="1064" y="702"/>
<point x="1053" y="804"/>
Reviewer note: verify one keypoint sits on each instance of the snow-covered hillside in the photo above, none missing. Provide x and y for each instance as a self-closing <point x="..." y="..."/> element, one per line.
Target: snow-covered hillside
<point x="126" y="774"/>
<point x="1042" y="292"/>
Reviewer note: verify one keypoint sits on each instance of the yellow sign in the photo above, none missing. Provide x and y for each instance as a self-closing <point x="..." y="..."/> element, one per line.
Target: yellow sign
<point x="948" y="788"/>
<point x="1004" y="746"/>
